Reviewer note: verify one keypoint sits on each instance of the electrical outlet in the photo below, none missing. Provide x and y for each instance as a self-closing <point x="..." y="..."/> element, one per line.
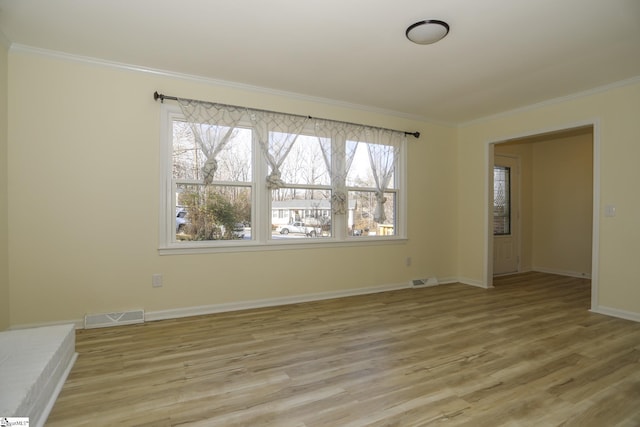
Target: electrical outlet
<point x="156" y="280"/>
<point x="408" y="261"/>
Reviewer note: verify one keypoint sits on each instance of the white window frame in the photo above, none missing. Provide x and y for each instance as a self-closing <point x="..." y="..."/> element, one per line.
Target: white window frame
<point x="261" y="205"/>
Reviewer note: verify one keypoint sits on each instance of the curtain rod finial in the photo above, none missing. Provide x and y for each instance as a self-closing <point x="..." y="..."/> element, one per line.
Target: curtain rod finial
<point x="156" y="95"/>
<point x="414" y="134"/>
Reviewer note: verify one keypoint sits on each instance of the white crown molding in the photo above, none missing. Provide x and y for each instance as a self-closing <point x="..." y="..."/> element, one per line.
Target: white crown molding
<point x="20" y="48"/>
<point x="16" y="47"/>
<point x="553" y="101"/>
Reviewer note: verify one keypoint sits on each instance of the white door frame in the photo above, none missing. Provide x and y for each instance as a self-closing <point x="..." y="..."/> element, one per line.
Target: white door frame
<point x="488" y="196"/>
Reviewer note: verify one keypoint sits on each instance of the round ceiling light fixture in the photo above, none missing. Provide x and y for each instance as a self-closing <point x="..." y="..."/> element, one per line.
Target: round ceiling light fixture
<point x="427" y="32"/>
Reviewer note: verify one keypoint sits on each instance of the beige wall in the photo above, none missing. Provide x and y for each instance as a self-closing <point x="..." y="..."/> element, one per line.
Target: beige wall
<point x="83" y="198"/>
<point x="84" y="201"/>
<point x="563" y="205"/>
<point x="4" y="220"/>
<point x="615" y="113"/>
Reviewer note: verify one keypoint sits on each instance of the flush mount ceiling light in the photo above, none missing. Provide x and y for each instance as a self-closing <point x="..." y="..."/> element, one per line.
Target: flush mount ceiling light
<point x="427" y="32"/>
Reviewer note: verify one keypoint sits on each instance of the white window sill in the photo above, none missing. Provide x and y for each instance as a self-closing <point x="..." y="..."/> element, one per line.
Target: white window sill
<point x="231" y="246"/>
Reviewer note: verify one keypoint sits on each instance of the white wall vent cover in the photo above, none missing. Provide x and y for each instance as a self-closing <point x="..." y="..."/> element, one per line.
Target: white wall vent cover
<point x="104" y="320"/>
<point x="431" y="281"/>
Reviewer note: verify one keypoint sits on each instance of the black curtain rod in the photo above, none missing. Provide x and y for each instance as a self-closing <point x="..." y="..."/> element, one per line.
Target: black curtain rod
<point x="162" y="97"/>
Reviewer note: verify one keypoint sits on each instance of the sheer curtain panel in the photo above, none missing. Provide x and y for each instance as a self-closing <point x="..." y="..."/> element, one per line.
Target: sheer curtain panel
<point x="212" y="126"/>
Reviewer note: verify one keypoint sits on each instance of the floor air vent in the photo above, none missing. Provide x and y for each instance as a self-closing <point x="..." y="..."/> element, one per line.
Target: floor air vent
<point x="431" y="281"/>
<point x="113" y="319"/>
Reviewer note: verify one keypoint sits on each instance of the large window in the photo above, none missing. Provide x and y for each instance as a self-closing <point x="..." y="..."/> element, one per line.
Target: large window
<point x="237" y="182"/>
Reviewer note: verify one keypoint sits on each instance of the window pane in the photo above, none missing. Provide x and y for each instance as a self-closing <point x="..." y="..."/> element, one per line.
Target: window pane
<point x="364" y="209"/>
<point x="360" y="174"/>
<point x="501" y="200"/>
<point x="306" y="163"/>
<point x="233" y="161"/>
<point x="301" y="213"/>
<point x="213" y="212"/>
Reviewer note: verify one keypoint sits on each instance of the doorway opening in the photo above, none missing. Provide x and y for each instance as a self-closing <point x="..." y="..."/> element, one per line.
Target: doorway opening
<point x="542" y="211"/>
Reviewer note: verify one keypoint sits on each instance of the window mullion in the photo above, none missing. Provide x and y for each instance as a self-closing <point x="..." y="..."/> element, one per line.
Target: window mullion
<point x="262" y="198"/>
<point x="338" y="183"/>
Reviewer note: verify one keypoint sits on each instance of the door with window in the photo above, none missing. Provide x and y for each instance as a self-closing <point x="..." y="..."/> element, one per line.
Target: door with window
<point x="506" y="246"/>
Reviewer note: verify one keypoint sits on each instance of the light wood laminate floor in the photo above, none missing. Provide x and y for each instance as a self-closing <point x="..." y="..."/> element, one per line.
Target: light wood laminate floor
<point x="526" y="353"/>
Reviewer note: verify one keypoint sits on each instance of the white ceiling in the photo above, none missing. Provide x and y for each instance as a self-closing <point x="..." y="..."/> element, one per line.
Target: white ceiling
<point x="498" y="56"/>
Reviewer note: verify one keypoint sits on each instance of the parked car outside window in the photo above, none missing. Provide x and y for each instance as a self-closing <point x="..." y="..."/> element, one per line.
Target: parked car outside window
<point x="299" y="228"/>
<point x="181" y="219"/>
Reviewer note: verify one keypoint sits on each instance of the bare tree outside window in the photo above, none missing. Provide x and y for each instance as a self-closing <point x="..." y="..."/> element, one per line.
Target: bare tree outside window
<point x="214" y="211"/>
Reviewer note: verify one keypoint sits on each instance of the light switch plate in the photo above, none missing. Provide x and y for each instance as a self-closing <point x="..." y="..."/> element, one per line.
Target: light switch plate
<point x="610" y="210"/>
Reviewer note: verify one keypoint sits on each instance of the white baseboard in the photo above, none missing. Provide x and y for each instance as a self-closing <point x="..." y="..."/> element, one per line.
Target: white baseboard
<point x="578" y="274"/>
<point x="472" y="282"/>
<point x="614" y="312"/>
<point x="234" y="306"/>
<point x="448" y="280"/>
<point x="175" y="313"/>
<point x="269" y="302"/>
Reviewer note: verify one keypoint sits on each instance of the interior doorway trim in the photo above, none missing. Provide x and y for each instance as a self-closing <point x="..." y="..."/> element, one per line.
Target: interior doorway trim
<point x="488" y="197"/>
